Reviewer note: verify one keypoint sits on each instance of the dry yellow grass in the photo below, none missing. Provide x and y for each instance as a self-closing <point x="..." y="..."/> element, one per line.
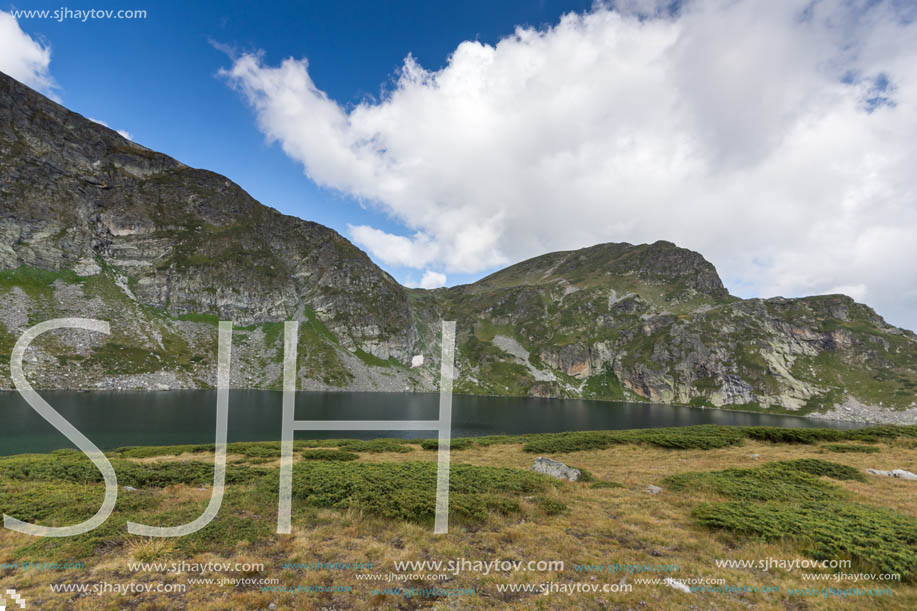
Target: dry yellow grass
<point x="626" y="525"/>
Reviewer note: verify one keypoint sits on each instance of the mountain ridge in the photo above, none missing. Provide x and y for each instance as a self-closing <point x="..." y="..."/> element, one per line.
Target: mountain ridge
<point x="96" y="224"/>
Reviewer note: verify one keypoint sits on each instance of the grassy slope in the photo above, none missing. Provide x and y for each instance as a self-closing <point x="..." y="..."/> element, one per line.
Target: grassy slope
<point x="378" y="509"/>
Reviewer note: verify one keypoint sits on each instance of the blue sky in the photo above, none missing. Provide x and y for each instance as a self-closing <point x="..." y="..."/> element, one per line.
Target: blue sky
<point x="448" y="139"/>
<point x="157" y="77"/>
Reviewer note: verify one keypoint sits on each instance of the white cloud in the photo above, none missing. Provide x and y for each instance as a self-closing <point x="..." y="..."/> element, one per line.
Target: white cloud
<point x="23" y="58"/>
<point x="432" y="280"/>
<point x="416" y="251"/>
<point x="778" y="142"/>
<point x="429" y="280"/>
<point x="122" y="132"/>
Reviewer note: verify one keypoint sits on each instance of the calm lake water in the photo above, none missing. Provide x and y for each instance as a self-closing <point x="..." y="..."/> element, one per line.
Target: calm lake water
<point x="113" y="419"/>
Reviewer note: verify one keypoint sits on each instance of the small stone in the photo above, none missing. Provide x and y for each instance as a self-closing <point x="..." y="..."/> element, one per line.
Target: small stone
<point x="130" y="488"/>
<point x="902" y="474"/>
<point x="653" y="489"/>
<point x="755" y="456"/>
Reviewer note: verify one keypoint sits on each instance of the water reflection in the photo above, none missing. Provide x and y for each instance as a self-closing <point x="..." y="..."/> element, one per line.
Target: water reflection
<point x="112" y="419"/>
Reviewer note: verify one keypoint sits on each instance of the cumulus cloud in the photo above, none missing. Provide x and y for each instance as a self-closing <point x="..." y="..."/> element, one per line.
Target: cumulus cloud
<point x="432" y="280"/>
<point x="23" y="58"/>
<point x="122" y="132"/>
<point x="429" y="280"/>
<point x="777" y="138"/>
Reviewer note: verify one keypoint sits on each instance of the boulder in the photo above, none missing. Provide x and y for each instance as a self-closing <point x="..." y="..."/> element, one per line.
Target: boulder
<point x="555" y="469"/>
<point x="898" y="473"/>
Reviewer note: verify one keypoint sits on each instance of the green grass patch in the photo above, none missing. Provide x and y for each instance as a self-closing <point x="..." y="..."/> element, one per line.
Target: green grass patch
<point x="850" y="448"/>
<point x="817" y="467"/>
<point x="329" y="455"/>
<point x="702" y="437"/>
<point x="762" y="484"/>
<point x="77" y="468"/>
<point x="605" y="386"/>
<point x="876" y="539"/>
<point x="210" y="319"/>
<point x="786" y="435"/>
<point x="376" y="446"/>
<point x="552" y="507"/>
<point x="788" y="480"/>
<point x="35" y="282"/>
<point x="408" y="490"/>
<point x="460" y="443"/>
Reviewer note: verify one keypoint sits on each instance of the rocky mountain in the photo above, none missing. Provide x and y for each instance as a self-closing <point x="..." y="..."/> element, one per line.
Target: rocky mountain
<point x="94" y="225"/>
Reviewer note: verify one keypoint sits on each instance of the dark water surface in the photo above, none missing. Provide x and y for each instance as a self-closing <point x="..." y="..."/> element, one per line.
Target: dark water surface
<point x="113" y="419"/>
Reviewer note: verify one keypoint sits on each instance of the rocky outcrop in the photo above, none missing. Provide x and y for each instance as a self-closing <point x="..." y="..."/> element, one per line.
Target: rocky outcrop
<point x="555" y="469"/>
<point x="896" y="473"/>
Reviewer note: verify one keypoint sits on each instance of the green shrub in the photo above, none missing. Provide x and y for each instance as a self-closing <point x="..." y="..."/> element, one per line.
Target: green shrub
<point x="811" y="436"/>
<point x="491" y="440"/>
<point x="322" y="443"/>
<point x="408" y="490"/>
<point x="876" y="433"/>
<point x="329" y="455"/>
<point x="875" y="538"/>
<point x="152" y="451"/>
<point x="501" y="504"/>
<point x="846" y="448"/>
<point x="551" y="507"/>
<point x="815" y="466"/>
<point x="461" y="443"/>
<point x="376" y="445"/>
<point x="702" y="437"/>
<point x="78" y="469"/>
<point x="775" y="434"/>
<point x="762" y="484"/>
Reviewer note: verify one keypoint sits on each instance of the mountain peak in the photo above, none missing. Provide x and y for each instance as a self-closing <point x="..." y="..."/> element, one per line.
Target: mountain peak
<point x="616" y="265"/>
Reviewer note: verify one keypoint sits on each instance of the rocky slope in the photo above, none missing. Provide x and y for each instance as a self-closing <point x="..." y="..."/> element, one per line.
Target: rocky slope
<point x="94" y="225"/>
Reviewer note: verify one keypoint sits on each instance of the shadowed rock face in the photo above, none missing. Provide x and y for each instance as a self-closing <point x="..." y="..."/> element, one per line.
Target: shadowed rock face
<point x="76" y="195"/>
<point x="94" y="225"/>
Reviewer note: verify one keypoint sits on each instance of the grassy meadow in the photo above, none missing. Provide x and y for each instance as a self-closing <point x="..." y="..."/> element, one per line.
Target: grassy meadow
<point x="728" y="493"/>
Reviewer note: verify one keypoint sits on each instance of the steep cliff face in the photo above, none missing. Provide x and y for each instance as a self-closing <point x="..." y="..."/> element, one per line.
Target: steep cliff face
<point x="94" y="225"/>
<point x="77" y="196"/>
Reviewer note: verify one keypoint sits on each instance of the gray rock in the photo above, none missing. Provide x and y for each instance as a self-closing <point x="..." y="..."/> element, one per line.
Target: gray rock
<point x="653" y="489"/>
<point x="896" y="473"/>
<point x="555" y="469"/>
